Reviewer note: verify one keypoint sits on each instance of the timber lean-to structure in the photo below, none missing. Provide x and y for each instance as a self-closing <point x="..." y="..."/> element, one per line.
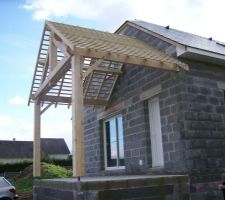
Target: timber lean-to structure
<point x="77" y="66"/>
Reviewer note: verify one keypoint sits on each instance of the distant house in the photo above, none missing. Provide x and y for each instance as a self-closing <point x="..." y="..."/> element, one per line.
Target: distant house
<point x="13" y="151"/>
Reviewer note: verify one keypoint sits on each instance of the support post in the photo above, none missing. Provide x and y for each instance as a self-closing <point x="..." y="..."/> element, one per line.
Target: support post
<point x="77" y="117"/>
<point x="37" y="140"/>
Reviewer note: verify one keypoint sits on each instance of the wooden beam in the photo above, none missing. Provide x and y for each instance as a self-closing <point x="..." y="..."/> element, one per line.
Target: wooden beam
<point x="54" y="76"/>
<point x="52" y="53"/>
<point x="37" y="140"/>
<point x="135" y="60"/>
<point x="60" y="45"/>
<point x="46" y="108"/>
<point x="77" y="117"/>
<point x="45" y="69"/>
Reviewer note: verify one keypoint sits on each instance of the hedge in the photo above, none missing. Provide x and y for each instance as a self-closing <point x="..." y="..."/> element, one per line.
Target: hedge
<point x="19" y="166"/>
<point x="14" y="167"/>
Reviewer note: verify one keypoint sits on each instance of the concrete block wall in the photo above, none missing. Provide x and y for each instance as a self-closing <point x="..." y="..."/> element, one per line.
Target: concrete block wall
<point x="151" y="40"/>
<point x="134" y="81"/>
<point x="203" y="128"/>
<point x="93" y="139"/>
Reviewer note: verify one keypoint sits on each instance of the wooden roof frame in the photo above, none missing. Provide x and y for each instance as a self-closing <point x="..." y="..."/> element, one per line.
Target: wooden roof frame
<point x="58" y="41"/>
<point x="77" y="66"/>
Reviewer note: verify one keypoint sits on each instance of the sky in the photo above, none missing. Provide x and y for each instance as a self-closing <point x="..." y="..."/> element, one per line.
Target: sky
<point x="21" y="25"/>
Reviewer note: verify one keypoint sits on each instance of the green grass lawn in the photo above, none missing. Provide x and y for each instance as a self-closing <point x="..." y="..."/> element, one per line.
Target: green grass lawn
<point x="24" y="183"/>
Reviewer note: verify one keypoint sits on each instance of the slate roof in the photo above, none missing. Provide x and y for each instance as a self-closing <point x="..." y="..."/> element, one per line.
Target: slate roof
<point x="24" y="149"/>
<point x="183" y="38"/>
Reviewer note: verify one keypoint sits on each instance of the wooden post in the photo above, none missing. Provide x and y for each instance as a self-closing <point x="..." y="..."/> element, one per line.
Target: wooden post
<point x="77" y="117"/>
<point x="37" y="140"/>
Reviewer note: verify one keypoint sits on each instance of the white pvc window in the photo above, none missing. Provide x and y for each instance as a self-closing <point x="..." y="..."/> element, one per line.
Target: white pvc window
<point x="114" y="142"/>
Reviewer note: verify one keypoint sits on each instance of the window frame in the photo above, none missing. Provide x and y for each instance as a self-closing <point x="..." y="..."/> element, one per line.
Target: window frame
<point x="151" y="100"/>
<point x="118" y="167"/>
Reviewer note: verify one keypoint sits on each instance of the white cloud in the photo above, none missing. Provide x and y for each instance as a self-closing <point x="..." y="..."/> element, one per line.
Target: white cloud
<point x="11" y="127"/>
<point x="5" y="120"/>
<point x="85" y="9"/>
<point x="196" y="16"/>
<point x="113" y="11"/>
<point x="55" y="123"/>
<point x="17" y="100"/>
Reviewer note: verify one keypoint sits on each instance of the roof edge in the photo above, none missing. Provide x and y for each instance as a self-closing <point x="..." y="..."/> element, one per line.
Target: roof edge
<point x="182" y="47"/>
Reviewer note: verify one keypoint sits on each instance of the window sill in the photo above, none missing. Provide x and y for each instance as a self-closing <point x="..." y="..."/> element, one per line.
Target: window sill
<point x="114" y="168"/>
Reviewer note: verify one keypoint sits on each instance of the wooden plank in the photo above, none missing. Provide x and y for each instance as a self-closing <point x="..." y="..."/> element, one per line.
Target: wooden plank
<point x="37" y="140"/>
<point x="77" y="117"/>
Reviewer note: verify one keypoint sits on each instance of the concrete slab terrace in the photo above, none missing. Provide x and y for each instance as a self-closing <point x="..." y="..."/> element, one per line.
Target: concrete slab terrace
<point x="133" y="187"/>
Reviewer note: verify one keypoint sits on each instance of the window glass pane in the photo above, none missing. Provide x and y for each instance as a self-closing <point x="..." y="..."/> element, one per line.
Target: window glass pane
<point x="112" y="122"/>
<point x="120" y="140"/>
<point x="114" y="141"/>
<point x="120" y="127"/>
<point x="111" y="144"/>
<point x="121" y="149"/>
<point x="112" y="155"/>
